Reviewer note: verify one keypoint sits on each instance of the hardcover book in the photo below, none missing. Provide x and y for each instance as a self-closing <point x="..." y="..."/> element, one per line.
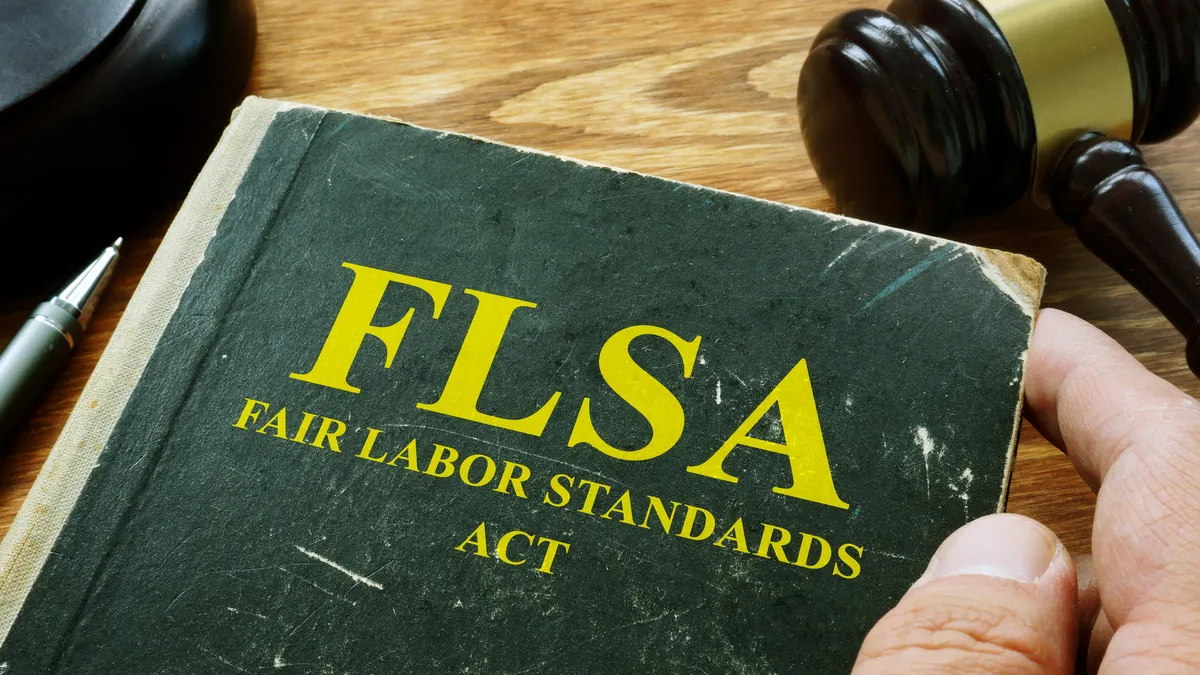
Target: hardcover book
<point x="391" y="399"/>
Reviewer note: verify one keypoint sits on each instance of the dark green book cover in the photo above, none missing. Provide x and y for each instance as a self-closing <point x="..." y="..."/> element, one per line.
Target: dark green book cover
<point x="397" y="400"/>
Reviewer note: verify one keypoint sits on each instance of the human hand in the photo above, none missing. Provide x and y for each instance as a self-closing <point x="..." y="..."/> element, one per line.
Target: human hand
<point x="1000" y="595"/>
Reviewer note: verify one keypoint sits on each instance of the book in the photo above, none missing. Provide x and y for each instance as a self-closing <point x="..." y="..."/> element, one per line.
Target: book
<point x="391" y="399"/>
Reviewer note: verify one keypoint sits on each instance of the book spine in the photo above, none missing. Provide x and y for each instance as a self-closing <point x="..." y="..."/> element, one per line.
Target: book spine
<point x="80" y="445"/>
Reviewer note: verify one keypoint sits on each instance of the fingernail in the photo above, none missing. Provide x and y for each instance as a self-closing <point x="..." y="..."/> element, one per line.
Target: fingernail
<point x="1004" y="545"/>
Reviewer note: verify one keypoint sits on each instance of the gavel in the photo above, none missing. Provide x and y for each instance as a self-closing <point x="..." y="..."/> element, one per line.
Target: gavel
<point x="935" y="110"/>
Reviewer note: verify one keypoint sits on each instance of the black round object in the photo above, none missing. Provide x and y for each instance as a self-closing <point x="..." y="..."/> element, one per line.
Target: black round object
<point x="918" y="115"/>
<point x="931" y="121"/>
<point x="46" y="40"/>
<point x="109" y="107"/>
<point x="1162" y="43"/>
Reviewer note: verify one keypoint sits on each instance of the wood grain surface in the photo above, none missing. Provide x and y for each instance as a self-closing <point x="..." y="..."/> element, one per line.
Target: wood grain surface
<point x="696" y="91"/>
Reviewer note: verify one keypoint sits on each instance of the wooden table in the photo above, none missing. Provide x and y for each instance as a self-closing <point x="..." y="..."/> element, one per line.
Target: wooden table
<point x="696" y="91"/>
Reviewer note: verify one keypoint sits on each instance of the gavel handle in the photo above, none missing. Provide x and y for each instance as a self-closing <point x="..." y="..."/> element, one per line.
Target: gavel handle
<point x="1123" y="213"/>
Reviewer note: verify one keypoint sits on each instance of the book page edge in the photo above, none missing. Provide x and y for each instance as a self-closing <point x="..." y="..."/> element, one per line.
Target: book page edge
<point x="1024" y="280"/>
<point x="79" y="447"/>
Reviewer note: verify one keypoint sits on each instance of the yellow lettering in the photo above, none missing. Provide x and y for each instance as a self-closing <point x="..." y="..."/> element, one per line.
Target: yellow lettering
<point x="823" y="555"/>
<point x="250" y="412"/>
<point x="689" y="522"/>
<point x="560" y="490"/>
<point x="656" y="507"/>
<point x="409" y="454"/>
<point x="769" y="541"/>
<point x="278" y="422"/>
<point x="803" y="443"/>
<point x="460" y="397"/>
<point x="851" y="562"/>
<point x="589" y="501"/>
<point x="365" y="453"/>
<point x="502" y="546"/>
<point x="489" y="470"/>
<point x="479" y="539"/>
<point x="551" y="551"/>
<point x="737" y="534"/>
<point x="305" y="423"/>
<point x="353" y="325"/>
<point x="441" y="464"/>
<point x="507" y="478"/>
<point x="624" y="507"/>
<point x="325" y="433"/>
<point x="639" y="389"/>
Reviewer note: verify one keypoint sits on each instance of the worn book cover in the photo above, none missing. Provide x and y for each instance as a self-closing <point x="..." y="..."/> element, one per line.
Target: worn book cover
<point x="392" y="399"/>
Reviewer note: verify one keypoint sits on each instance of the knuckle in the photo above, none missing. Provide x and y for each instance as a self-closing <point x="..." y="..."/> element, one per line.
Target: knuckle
<point x="1148" y="419"/>
<point x="1155" y="648"/>
<point x="1159" y="480"/>
<point x="959" y="636"/>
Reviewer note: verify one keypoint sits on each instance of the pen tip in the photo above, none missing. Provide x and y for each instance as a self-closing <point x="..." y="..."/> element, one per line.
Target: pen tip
<point x="117" y="244"/>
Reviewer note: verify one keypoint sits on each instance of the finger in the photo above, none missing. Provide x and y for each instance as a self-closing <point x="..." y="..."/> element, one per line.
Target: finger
<point x="1137" y="439"/>
<point x="1088" y="594"/>
<point x="1088" y="396"/>
<point x="1058" y="349"/>
<point x="1087" y="611"/>
<point x="1101" y="635"/>
<point x="998" y="597"/>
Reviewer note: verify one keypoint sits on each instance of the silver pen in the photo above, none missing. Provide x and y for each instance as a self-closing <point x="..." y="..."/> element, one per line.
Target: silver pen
<point x="35" y="356"/>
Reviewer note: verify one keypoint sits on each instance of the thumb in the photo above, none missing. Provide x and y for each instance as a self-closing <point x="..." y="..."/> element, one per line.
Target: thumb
<point x="999" y="596"/>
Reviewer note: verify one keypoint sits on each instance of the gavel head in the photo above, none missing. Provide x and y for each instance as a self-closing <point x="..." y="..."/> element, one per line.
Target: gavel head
<point x="938" y="109"/>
